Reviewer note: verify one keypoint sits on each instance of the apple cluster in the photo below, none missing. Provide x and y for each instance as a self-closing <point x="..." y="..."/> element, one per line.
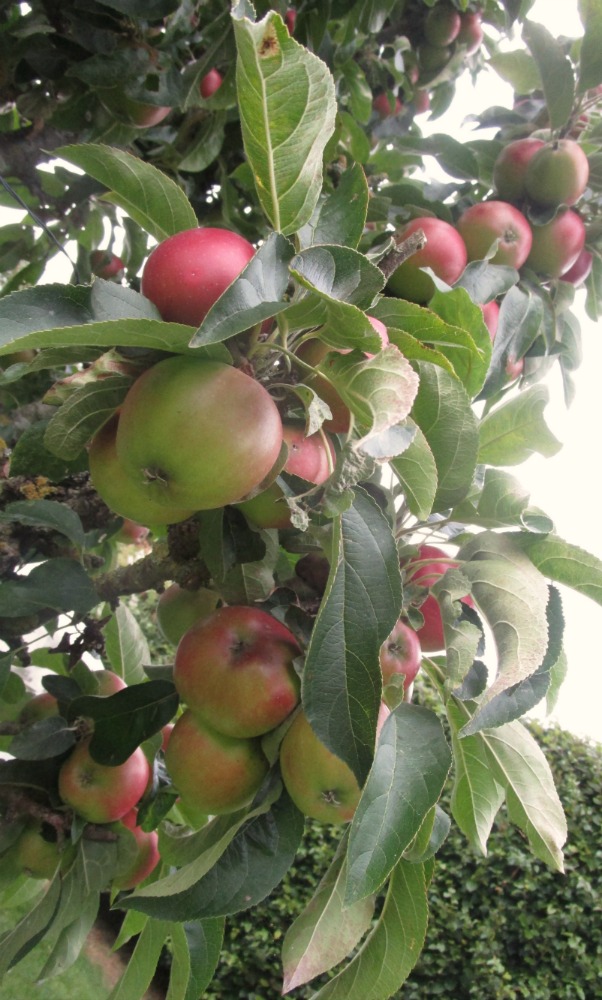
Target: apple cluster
<point x="98" y="794"/>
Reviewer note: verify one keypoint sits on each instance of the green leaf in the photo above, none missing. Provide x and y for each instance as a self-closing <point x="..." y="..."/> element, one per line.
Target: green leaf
<point x="452" y="156"/>
<point x="327" y="930"/>
<point x="122" y="721"/>
<point x="340" y="273"/>
<point x="515" y="430"/>
<point x="555" y="71"/>
<point x="72" y="938"/>
<point x="83" y="413"/>
<point x="522" y="319"/>
<point x="195" y="950"/>
<point x="442" y="411"/>
<point x="43" y="740"/>
<point x="340" y="216"/>
<point x="517" y="68"/>
<point x="126" y="646"/>
<point x="45" y="307"/>
<point x="512" y="596"/>
<point x="518" y="765"/>
<point x="565" y="563"/>
<point x="476" y="795"/>
<point x="140" y="970"/>
<point x="46" y="514"/>
<point x="17" y="943"/>
<point x="61" y="584"/>
<point x="410" y="768"/>
<point x="341" y="679"/>
<point x="468" y="359"/>
<point x="360" y="94"/>
<point x="590" y="57"/>
<point x="30" y="457"/>
<point x="484" y="281"/>
<point x="255" y="295"/>
<point x="417" y="474"/>
<point x="287" y="112"/>
<point x="501" y="502"/>
<point x="391" y="951"/>
<point x="254" y="862"/>
<point x="148" y="196"/>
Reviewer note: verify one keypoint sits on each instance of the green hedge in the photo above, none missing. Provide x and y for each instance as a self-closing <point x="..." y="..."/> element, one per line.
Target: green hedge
<point x="502" y="927"/>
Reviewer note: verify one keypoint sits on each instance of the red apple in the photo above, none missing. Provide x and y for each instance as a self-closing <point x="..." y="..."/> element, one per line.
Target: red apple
<point x="383" y="106"/>
<point x="178" y="609"/>
<point x="320" y="784"/>
<point x="187" y="272"/>
<point x="400" y="657"/>
<point x="290" y="19"/>
<point x="422" y="101"/>
<point x="121" y="493"/>
<point x="514" y="368"/>
<point x="487" y="221"/>
<point x="235" y="670"/>
<point x="491" y="316"/>
<point x="40" y="706"/>
<point x="132" y="533"/>
<point x="99" y="793"/>
<point x="105" y="264"/>
<point x="425" y="569"/>
<point x="108" y="682"/>
<point x="580" y="270"/>
<point x="470" y="35"/>
<point x="137" y="114"/>
<point x="557" y="244"/>
<point x="213" y="773"/>
<point x="557" y="174"/>
<point x="147" y="857"/>
<point x="444" y="253"/>
<point x="211" y="82"/>
<point x="511" y="165"/>
<point x="312" y="352"/>
<point x="197" y="434"/>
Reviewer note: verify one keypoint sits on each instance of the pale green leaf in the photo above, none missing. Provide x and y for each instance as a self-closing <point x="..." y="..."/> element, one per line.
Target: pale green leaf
<point x="515" y="430"/>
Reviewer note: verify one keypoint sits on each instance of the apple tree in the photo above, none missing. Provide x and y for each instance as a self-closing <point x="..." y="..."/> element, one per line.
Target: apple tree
<point x="259" y="364"/>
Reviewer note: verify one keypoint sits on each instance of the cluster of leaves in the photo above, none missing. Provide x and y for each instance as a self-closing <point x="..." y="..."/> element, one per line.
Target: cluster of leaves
<point x="288" y="151"/>
<point x="503" y="926"/>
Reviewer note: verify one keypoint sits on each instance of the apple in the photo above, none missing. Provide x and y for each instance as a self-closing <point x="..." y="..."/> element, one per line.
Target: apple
<point x="383" y="106"/>
<point x="470" y="35"/>
<point x="312" y="352"/>
<point x="381" y="330"/>
<point x="422" y="101"/>
<point x="511" y="165"/>
<point x="121" y="493"/>
<point x="320" y="784"/>
<point x="514" y="368"/>
<point x="444" y="253"/>
<point x="557" y="244"/>
<point x="580" y="270"/>
<point x="442" y="24"/>
<point x="132" y="533"/>
<point x="41" y="706"/>
<point x="211" y="82"/>
<point x="557" y="174"/>
<point x="310" y="457"/>
<point x="314" y="570"/>
<point x="178" y="609"/>
<point x="491" y="316"/>
<point x="432" y="58"/>
<point x="400" y="656"/>
<point x="290" y="19"/>
<point x="487" y="221"/>
<point x="37" y="851"/>
<point x="197" y="434"/>
<point x="425" y="569"/>
<point x="213" y="773"/>
<point x="100" y="793"/>
<point x="105" y="264"/>
<point x="186" y="273"/>
<point x="108" y="683"/>
<point x="138" y="114"/>
<point x="147" y="856"/>
<point x="235" y="670"/>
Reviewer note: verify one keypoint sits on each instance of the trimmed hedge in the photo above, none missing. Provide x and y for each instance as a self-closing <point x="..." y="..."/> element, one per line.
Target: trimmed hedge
<point x="502" y="927"/>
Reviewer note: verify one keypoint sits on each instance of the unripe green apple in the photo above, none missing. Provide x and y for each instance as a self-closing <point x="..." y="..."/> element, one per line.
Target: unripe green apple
<point x="100" y="793"/>
<point x="35" y="854"/>
<point x="442" y="24"/>
<point x="557" y="174"/>
<point x="557" y="244"/>
<point x="187" y="272"/>
<point x="212" y="772"/>
<point x="444" y="253"/>
<point x="197" y="434"/>
<point x="235" y="670"/>
<point x="40" y="706"/>
<point x="178" y="609"/>
<point x="121" y="493"/>
<point x="487" y="221"/>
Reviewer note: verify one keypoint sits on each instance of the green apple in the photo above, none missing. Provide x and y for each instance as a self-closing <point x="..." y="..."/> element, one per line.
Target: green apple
<point x="178" y="609"/>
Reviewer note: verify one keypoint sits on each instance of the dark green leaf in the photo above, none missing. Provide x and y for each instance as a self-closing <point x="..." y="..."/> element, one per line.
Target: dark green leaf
<point x="417" y="474"/>
<point x="555" y="71"/>
<point x="590" y="58"/>
<point x="339" y="218"/>
<point x="47" y="514"/>
<point x="43" y="740"/>
<point x="60" y="584"/>
<point x="83" y="413"/>
<point x="338" y="273"/>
